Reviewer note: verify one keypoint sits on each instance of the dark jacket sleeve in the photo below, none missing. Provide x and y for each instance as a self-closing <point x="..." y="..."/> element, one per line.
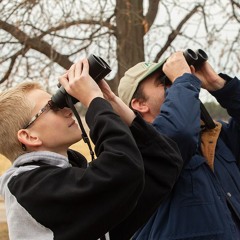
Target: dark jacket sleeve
<point x="229" y="98"/>
<point x="179" y="116"/>
<point x="79" y="203"/>
<point x="162" y="163"/>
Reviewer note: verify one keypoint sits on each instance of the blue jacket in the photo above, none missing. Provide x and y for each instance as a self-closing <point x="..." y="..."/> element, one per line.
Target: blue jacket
<point x="205" y="203"/>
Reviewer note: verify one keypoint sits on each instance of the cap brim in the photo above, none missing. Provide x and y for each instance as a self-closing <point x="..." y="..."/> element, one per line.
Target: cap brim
<point x="154" y="69"/>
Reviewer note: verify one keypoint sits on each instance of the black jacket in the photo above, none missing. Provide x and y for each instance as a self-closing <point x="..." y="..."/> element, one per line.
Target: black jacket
<point x="59" y="200"/>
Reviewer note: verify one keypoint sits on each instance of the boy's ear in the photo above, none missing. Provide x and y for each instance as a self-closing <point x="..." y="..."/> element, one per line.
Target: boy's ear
<point x="28" y="138"/>
<point x="139" y="105"/>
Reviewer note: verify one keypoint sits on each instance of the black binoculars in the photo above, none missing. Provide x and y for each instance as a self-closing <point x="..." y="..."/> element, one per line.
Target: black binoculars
<point x="196" y="58"/>
<point x="98" y="69"/>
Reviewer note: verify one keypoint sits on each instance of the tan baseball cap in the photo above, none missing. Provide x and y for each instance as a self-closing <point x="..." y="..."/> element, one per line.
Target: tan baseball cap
<point x="133" y="76"/>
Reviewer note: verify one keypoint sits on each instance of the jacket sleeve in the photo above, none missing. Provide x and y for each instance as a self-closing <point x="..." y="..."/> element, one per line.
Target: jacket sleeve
<point x="179" y="116"/>
<point x="85" y="203"/>
<point x="162" y="163"/>
<point x="229" y="98"/>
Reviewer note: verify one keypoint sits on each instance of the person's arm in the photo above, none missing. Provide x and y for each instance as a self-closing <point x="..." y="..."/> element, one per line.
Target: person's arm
<point x="226" y="91"/>
<point x="179" y="116"/>
<point x="229" y="96"/>
<point x="162" y="164"/>
<point x="126" y="114"/>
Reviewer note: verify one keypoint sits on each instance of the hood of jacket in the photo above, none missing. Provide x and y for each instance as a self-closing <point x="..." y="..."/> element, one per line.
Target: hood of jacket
<point x="30" y="161"/>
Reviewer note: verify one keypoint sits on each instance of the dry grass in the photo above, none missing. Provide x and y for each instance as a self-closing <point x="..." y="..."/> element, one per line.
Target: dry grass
<point x="4" y="231"/>
<point x="5" y="164"/>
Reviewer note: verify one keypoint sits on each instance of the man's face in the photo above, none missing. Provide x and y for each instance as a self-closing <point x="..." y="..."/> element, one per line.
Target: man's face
<point x="154" y="93"/>
<point x="55" y="128"/>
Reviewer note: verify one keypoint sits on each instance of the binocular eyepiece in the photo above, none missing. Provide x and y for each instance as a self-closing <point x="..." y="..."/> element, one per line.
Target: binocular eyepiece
<point x="98" y="69"/>
<point x="196" y="58"/>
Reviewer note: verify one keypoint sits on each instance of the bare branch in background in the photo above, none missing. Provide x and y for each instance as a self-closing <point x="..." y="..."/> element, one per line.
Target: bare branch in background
<point x="40" y="39"/>
<point x="236" y="10"/>
<point x="151" y="14"/>
<point x="12" y="62"/>
<point x="175" y="32"/>
<point x="36" y="44"/>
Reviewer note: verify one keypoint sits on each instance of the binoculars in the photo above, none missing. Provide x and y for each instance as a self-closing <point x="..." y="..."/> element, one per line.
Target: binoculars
<point x="196" y="58"/>
<point x="98" y="69"/>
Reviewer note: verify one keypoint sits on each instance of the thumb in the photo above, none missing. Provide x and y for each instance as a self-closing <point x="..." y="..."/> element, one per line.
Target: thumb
<point x="193" y="70"/>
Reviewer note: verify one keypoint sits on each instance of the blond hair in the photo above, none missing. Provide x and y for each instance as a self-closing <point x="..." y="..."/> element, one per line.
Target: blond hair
<point x="15" y="112"/>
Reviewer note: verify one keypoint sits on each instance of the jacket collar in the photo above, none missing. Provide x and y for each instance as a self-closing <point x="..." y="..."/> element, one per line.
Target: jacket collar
<point x="209" y="139"/>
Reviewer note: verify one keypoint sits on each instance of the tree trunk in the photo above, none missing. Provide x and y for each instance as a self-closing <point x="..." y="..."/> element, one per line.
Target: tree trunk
<point x="130" y="33"/>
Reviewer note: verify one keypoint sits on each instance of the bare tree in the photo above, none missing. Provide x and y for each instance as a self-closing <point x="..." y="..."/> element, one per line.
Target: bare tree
<point x="41" y="38"/>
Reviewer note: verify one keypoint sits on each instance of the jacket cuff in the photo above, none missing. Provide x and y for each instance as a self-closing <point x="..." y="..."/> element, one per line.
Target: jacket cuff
<point x="228" y="89"/>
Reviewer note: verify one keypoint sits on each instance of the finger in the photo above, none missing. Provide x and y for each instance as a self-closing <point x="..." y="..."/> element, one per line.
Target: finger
<point x="63" y="76"/>
<point x="63" y="80"/>
<point x="78" y="69"/>
<point x="193" y="70"/>
<point x="71" y="72"/>
<point x="85" y="68"/>
<point x="101" y="83"/>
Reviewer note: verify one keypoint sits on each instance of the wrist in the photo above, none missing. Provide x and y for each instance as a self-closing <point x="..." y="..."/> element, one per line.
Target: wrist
<point x="218" y="83"/>
<point x="87" y="101"/>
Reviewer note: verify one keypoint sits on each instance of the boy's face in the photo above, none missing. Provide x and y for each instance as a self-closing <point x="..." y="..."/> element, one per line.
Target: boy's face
<point x="56" y="130"/>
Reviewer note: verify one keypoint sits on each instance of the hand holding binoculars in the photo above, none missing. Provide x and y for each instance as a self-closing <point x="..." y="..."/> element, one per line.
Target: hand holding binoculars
<point x="197" y="59"/>
<point x="98" y="69"/>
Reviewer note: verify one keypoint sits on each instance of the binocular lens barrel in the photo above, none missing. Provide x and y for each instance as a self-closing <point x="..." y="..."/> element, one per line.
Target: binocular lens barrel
<point x="190" y="56"/>
<point x="202" y="57"/>
<point x="98" y="68"/>
<point x="195" y="58"/>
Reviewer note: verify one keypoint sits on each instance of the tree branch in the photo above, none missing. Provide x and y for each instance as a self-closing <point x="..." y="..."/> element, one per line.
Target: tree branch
<point x="233" y="9"/>
<point x="151" y="14"/>
<point x="176" y="32"/>
<point x="37" y="44"/>
<point x="13" y="59"/>
<point x="65" y="25"/>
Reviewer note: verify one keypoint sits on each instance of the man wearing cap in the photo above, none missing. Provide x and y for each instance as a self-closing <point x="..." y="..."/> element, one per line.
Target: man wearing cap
<point x="205" y="202"/>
